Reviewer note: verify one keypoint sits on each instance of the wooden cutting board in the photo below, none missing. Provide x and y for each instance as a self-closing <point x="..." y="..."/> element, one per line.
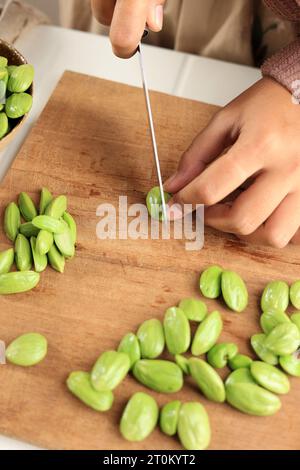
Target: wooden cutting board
<point x="92" y="144"/>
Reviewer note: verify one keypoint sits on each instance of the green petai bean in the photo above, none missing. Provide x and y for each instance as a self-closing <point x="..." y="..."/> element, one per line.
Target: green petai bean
<point x="161" y="376"/>
<point x="7" y="258"/>
<point x="169" y="416"/>
<point x="130" y="345"/>
<point x="177" y="331"/>
<point x="15" y="283"/>
<point x="110" y="370"/>
<point x="275" y="296"/>
<point x="139" y="417"/>
<point x="239" y="361"/>
<point x="11" y="68"/>
<point x="220" y="354"/>
<point x="252" y="399"/>
<point x="207" y="334"/>
<point x="242" y="375"/>
<point x="270" y="377"/>
<point x="210" y="282"/>
<point x="44" y="242"/>
<point x="27" y="207"/>
<point x="12" y="221"/>
<point x="72" y="226"/>
<point x="64" y="242"/>
<point x="207" y="379"/>
<point x="17" y="105"/>
<point x="23" y="256"/>
<point x="56" y="259"/>
<point x="4" y="127"/>
<point x="258" y="343"/>
<point x="272" y="318"/>
<point x="45" y="199"/>
<point x="29" y="230"/>
<point x="40" y="261"/>
<point x="183" y="363"/>
<point x="284" y="339"/>
<point x="20" y="78"/>
<point x="291" y="363"/>
<point x="193" y="426"/>
<point x="151" y="338"/>
<point x="234" y="291"/>
<point x="3" y="61"/>
<point x="27" y="350"/>
<point x="154" y="203"/>
<point x="194" y="309"/>
<point x="79" y="384"/>
<point x="57" y="207"/>
<point x="45" y="222"/>
<point x="295" y="294"/>
<point x="295" y="318"/>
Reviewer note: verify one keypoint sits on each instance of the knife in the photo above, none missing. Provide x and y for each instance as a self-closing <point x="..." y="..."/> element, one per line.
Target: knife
<point x="152" y="129"/>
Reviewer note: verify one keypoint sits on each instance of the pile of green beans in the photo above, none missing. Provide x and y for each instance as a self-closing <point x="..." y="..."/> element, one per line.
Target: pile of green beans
<point x="15" y="100"/>
<point x="43" y="236"/>
<point x="252" y="386"/>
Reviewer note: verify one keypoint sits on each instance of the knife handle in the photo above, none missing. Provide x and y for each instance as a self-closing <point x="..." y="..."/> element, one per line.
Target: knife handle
<point x="145" y="34"/>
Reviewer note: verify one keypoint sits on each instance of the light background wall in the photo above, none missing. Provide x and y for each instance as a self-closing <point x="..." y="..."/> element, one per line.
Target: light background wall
<point x="50" y="7"/>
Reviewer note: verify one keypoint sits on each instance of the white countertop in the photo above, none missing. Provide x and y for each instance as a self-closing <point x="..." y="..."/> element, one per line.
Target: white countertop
<point x="53" y="50"/>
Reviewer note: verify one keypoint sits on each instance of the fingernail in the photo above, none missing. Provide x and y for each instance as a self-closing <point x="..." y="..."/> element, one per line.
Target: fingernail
<point x="175" y="211"/>
<point x="159" y="16"/>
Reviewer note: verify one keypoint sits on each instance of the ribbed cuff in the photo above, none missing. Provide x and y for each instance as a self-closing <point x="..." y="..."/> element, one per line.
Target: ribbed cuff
<point x="285" y="67"/>
<point x="287" y="9"/>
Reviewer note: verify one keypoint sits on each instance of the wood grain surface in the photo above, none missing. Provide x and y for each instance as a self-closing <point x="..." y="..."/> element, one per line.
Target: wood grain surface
<point x="92" y="144"/>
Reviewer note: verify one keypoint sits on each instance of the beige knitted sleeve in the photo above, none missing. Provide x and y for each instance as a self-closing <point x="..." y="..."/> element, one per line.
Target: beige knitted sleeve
<point x="285" y="65"/>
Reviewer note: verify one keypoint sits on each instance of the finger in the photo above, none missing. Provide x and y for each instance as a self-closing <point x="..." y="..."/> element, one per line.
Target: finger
<point x="282" y="227"/>
<point x="296" y="238"/>
<point x="155" y="15"/>
<point x="252" y="207"/>
<point x="103" y="10"/>
<point x="128" y="25"/>
<point x="207" y="146"/>
<point x="221" y="178"/>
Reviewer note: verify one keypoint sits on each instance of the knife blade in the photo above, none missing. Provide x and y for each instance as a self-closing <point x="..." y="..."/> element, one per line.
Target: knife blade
<point x="152" y="130"/>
